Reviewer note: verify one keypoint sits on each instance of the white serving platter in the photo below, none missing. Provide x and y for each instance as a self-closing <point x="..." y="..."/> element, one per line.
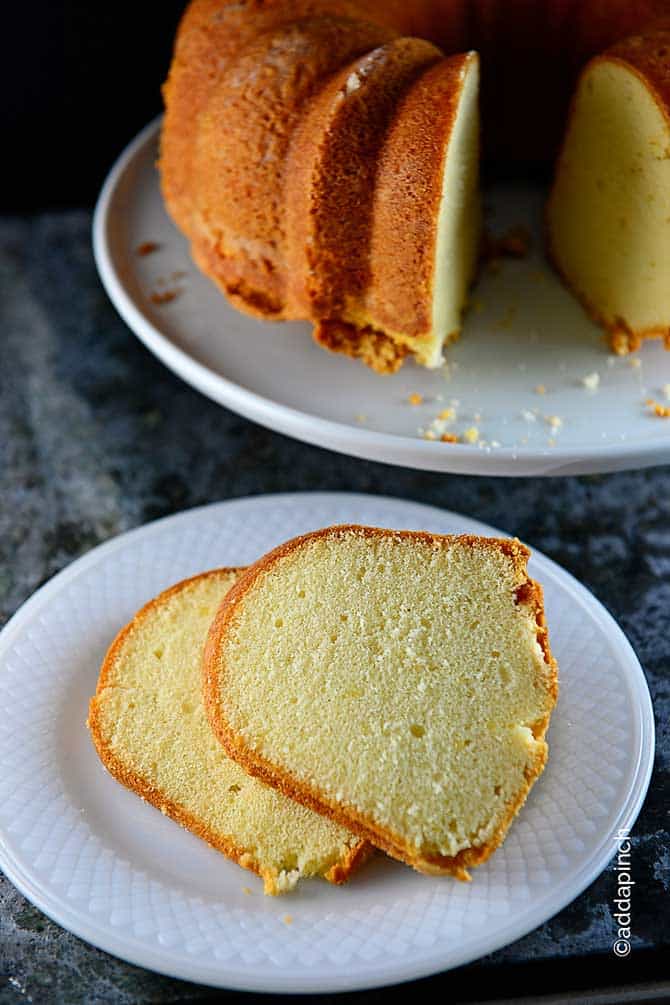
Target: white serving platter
<point x="523" y="332"/>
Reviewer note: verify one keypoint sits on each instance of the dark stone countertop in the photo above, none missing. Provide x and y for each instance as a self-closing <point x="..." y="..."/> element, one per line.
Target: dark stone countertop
<point x="97" y="437"/>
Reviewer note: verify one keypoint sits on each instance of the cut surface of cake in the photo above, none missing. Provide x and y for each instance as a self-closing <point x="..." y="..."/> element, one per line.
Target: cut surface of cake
<point x="399" y="682"/>
<point x="148" y="724"/>
<point x="609" y="212"/>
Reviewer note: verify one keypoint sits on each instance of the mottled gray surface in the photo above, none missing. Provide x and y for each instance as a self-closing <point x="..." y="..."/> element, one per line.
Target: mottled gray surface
<point x="96" y="437"/>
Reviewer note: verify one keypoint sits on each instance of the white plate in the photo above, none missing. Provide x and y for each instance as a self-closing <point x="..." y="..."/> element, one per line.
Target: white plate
<point x="114" y="871"/>
<point x="525" y="331"/>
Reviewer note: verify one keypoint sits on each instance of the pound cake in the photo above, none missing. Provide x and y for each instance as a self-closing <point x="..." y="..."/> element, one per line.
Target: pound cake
<point x="322" y="156"/>
<point x="149" y="727"/>
<point x="398" y="682"/>
<point x="609" y="211"/>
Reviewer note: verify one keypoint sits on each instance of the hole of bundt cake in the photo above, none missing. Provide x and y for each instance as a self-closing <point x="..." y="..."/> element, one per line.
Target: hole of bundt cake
<point x="279" y="623"/>
<point x="158" y="653"/>
<point x="344" y="617"/>
<point x="333" y="638"/>
<point x="497" y="789"/>
<point x="234" y="788"/>
<point x="417" y="730"/>
<point x="301" y="594"/>
<point x="504" y="674"/>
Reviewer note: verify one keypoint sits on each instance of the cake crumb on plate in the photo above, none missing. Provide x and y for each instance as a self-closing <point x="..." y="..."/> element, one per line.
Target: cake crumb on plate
<point x="591" y="382"/>
<point x="147" y="248"/>
<point x="662" y="411"/>
<point x="163" y="296"/>
<point x="514" y="243"/>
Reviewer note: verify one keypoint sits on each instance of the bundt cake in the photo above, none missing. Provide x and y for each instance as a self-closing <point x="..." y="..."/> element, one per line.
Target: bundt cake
<point x="148" y="724"/>
<point x="400" y="683"/>
<point x="322" y="156"/>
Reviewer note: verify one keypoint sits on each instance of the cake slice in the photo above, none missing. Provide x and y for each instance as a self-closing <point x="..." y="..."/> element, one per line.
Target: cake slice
<point x="149" y="727"/>
<point x="383" y="211"/>
<point x="609" y="211"/>
<point x="400" y="683"/>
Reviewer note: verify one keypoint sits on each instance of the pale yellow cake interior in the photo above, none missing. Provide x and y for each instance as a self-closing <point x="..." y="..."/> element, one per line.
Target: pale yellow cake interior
<point x="458" y="223"/>
<point x="609" y="212"/>
<point x="153" y="720"/>
<point x="398" y="677"/>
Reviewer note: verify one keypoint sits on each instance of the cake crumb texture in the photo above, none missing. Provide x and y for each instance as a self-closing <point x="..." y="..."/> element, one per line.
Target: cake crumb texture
<point x="414" y="707"/>
<point x="148" y="724"/>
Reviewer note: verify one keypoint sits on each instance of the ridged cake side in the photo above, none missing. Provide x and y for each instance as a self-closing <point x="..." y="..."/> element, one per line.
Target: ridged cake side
<point x="212" y="34"/>
<point x="240" y="172"/>
<point x="414" y="707"/>
<point x="366" y="181"/>
<point x="243" y="79"/>
<point x="148" y="724"/>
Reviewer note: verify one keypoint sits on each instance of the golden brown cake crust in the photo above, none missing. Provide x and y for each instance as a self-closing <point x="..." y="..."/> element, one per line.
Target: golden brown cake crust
<point x="238" y="79"/>
<point x="332" y="167"/>
<point x="529" y="593"/>
<point x="339" y="873"/>
<point x="408" y="194"/>
<point x="239" y="172"/>
<point x="365" y="175"/>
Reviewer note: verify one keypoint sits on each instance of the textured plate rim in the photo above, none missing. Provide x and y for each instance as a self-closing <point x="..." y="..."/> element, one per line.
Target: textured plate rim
<point x="355" y="441"/>
<point x="366" y="976"/>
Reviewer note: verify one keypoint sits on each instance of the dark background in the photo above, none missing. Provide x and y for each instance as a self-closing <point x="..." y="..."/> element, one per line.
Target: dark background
<point x="78" y="80"/>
